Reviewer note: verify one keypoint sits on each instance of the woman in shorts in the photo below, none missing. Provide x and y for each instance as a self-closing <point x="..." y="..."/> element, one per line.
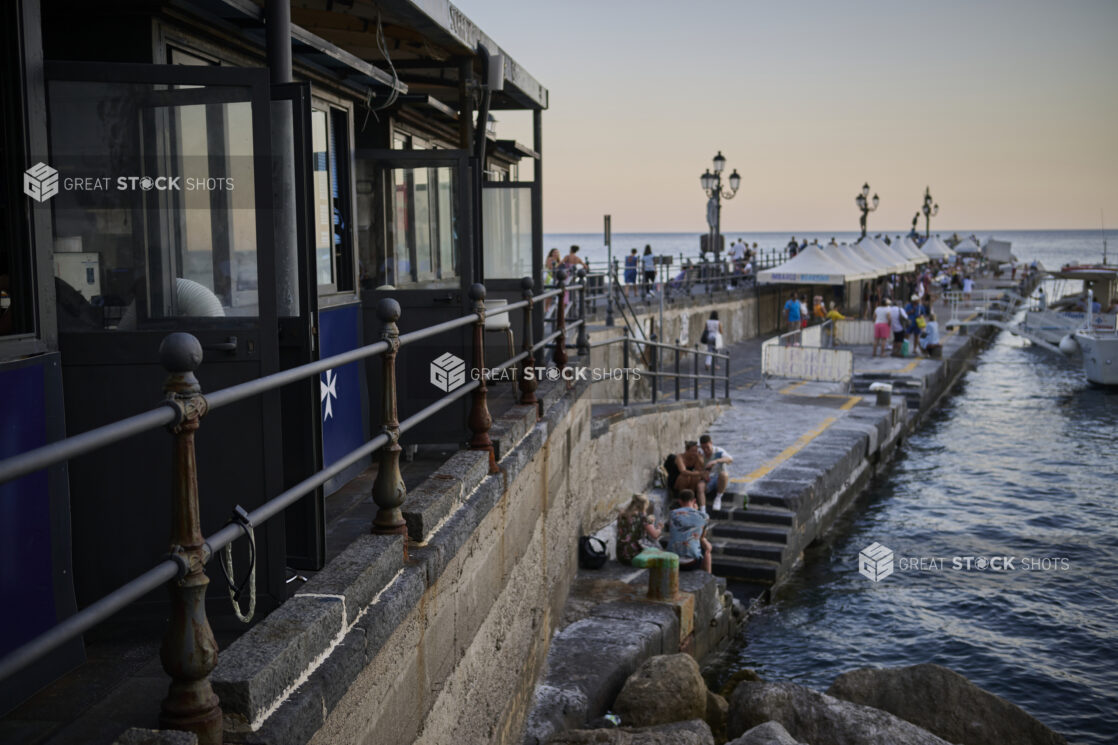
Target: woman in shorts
<point x="881" y="329"/>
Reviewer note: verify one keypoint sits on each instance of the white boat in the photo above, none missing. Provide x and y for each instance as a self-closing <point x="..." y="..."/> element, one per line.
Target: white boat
<point x="1100" y="355"/>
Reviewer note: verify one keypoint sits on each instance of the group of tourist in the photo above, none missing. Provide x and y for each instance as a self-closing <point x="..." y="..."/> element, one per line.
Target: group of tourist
<point x="696" y="473"/>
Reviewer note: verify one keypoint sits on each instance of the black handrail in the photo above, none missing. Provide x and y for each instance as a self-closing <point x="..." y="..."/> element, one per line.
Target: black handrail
<point x="181" y="410"/>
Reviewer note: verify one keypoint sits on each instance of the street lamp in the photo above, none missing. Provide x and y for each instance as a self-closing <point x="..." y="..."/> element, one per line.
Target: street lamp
<point x="712" y="186"/>
<point x="863" y="202"/>
<point x="929" y="209"/>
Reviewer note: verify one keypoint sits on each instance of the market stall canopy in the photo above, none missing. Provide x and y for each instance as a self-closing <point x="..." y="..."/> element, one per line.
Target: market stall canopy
<point x="884" y="260"/>
<point x="892" y="252"/>
<point x="809" y="267"/>
<point x="998" y="251"/>
<point x="967" y="246"/>
<point x="936" y="249"/>
<point x="905" y="247"/>
<point x="847" y="257"/>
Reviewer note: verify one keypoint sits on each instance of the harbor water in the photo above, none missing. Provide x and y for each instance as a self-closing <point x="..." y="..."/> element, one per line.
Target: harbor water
<point x="1019" y="464"/>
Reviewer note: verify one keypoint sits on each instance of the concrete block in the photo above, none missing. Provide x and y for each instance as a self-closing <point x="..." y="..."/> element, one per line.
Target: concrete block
<point x="359" y="572"/>
<point x="341" y="668"/>
<point x="429" y="503"/>
<point x="398" y="600"/>
<point x="294" y="723"/>
<point x="509" y="429"/>
<point x="437" y="649"/>
<point x="468" y="466"/>
<point x="257" y="668"/>
<point x="456" y="531"/>
<point x="138" y="736"/>
<point x="656" y="614"/>
<point x="595" y="668"/>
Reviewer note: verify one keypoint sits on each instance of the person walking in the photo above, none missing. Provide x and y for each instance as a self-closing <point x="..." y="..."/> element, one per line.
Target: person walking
<point x="713" y="334"/>
<point x="648" y="264"/>
<point x="881" y="329"/>
<point x="792" y="312"/>
<point x="631" y="262"/>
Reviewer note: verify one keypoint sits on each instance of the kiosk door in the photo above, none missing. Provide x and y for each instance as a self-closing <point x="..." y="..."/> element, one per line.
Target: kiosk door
<point x="417" y="246"/>
<point x="164" y="223"/>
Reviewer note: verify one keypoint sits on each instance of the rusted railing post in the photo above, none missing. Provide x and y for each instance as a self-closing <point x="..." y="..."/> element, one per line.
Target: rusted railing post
<point x="479" y="420"/>
<point x="560" y="355"/>
<point x="677" y="372"/>
<point x="625" y="365"/>
<point x="527" y="380"/>
<point x="582" y="341"/>
<point x="388" y="487"/>
<point x="189" y="651"/>
<point x="695" y="370"/>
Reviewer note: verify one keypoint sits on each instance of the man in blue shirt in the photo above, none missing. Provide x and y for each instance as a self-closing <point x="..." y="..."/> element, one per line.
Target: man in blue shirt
<point x="792" y="312"/>
<point x="685" y="537"/>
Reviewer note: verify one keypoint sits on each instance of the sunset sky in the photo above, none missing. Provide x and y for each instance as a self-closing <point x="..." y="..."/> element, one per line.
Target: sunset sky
<point x="1008" y="110"/>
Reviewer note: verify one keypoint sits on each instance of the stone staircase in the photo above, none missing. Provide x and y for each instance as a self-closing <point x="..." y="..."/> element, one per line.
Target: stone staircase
<point x="750" y="545"/>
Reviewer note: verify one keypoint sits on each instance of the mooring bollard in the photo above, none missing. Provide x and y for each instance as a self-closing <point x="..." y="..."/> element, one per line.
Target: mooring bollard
<point x="527" y="381"/>
<point x="479" y="420"/>
<point x="884" y="393"/>
<point x="389" y="491"/>
<point x="663" y="572"/>
<point x="189" y="651"/>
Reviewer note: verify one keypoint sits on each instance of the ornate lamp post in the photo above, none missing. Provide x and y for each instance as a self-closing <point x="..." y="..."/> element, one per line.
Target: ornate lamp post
<point x="712" y="186"/>
<point x="929" y="209"/>
<point x="863" y="202"/>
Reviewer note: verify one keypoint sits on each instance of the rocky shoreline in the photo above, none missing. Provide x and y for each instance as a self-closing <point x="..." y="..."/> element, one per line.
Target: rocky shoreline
<point x="665" y="702"/>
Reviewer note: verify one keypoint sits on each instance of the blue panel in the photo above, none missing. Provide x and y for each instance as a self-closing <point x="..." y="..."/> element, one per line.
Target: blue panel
<point x="340" y="389"/>
<point x="26" y="570"/>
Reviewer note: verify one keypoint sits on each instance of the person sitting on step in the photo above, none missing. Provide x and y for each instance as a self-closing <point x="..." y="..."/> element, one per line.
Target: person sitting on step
<point x="635" y="524"/>
<point x="685" y="534"/>
<point x="692" y="472"/>
<point x="715" y="460"/>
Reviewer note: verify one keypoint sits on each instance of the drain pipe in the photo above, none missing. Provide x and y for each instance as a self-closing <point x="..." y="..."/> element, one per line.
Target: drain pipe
<point x="278" y="31"/>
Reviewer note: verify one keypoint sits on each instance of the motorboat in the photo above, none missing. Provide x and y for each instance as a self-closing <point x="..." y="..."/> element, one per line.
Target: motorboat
<point x="1099" y="348"/>
<point x="1055" y="320"/>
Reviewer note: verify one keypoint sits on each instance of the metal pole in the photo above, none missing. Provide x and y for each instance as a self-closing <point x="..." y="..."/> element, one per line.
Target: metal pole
<point x="727" y="375"/>
<point x="695" y="370"/>
<point x="582" y="342"/>
<point x="189" y="651"/>
<point x="389" y="491"/>
<point x="528" y="380"/>
<point x="611" y="278"/>
<point x="677" y="372"/>
<point x="560" y="354"/>
<point x="625" y="365"/>
<point x="479" y="420"/>
<point x="654" y="366"/>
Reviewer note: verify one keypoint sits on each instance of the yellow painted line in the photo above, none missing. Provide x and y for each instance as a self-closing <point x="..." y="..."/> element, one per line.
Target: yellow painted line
<point x="851" y="401"/>
<point x="909" y="367"/>
<point x="955" y="330"/>
<point x="789" y="389"/>
<point x="787" y="453"/>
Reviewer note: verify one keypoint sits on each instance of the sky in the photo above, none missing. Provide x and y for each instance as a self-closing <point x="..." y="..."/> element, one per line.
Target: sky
<point x="1007" y="109"/>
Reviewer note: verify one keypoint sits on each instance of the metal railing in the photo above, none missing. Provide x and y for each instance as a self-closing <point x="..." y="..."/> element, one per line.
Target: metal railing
<point x="189" y="649"/>
<point x="651" y="352"/>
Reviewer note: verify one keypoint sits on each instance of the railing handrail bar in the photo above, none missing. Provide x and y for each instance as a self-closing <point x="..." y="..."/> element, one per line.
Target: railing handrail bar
<point x="688" y="376"/>
<point x="616" y="339"/>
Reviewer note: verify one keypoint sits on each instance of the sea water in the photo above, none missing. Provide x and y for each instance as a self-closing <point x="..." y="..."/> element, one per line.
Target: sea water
<point x="1019" y="464"/>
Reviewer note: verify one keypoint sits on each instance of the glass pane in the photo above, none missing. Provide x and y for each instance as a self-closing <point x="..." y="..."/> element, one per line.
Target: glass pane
<point x="155" y="213"/>
<point x="507" y="232"/>
<point x="323" y="216"/>
<point x="420" y="245"/>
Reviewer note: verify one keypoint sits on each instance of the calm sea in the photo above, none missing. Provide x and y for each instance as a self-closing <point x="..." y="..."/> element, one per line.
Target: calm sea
<point x="1021" y="462"/>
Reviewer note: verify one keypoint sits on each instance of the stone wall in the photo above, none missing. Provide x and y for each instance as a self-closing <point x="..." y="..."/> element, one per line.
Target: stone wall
<point x="446" y="646"/>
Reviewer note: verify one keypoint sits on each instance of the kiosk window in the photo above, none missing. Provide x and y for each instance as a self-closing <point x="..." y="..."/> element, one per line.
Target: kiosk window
<point x="329" y="145"/>
<point x="507" y="231"/>
<point x="156" y="215"/>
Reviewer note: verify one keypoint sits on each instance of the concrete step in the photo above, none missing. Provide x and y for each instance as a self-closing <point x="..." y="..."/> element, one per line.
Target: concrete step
<point x="748" y="531"/>
<point x="762" y="500"/>
<point x="746" y="548"/>
<point x="737" y="567"/>
<point x="759" y="514"/>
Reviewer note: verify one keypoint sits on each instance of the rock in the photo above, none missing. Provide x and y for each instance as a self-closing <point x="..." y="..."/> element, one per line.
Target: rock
<point x="694" y="732"/>
<point x="138" y="736"/>
<point x="944" y="703"/>
<point x="817" y="718"/>
<point x="769" y="733"/>
<point x="718" y="711"/>
<point x="665" y="688"/>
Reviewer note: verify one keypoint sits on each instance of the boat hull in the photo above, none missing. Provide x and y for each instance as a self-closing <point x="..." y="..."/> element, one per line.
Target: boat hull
<point x="1100" y="357"/>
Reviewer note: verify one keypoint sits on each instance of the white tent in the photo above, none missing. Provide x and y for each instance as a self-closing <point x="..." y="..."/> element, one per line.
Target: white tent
<point x="846" y="256"/>
<point x="809" y="267"/>
<point x="936" y="249"/>
<point x="906" y="247"/>
<point x="967" y="246"/>
<point x="891" y="252"/>
<point x="998" y="251"/>
<point x="888" y="261"/>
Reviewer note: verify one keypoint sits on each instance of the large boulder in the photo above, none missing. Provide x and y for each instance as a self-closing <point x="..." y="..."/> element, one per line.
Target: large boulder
<point x="769" y="733"/>
<point x="694" y="732"/>
<point x="718" y="712"/>
<point x="820" y="719"/>
<point x="665" y="688"/>
<point x="944" y="703"/>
